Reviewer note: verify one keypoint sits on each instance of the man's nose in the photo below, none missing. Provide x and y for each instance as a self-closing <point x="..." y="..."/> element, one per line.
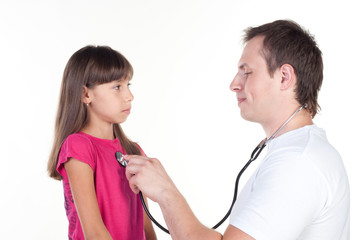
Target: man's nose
<point x="236" y="84"/>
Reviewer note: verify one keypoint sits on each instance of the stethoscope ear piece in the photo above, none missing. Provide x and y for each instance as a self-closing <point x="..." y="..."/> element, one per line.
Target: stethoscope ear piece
<point x="120" y="158"/>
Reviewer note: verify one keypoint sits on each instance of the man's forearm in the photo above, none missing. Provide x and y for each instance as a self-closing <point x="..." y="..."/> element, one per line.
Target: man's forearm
<point x="181" y="222"/>
<point x="149" y="176"/>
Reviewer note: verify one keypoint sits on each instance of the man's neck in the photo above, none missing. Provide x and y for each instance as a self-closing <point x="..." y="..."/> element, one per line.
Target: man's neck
<point x="301" y="119"/>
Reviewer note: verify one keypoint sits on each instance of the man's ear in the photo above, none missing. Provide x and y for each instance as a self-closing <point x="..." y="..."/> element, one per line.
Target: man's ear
<point x="288" y="76"/>
<point x="86" y="96"/>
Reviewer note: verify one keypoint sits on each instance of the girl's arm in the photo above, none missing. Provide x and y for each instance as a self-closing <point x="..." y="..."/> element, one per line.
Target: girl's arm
<point x="148" y="227"/>
<point x="82" y="187"/>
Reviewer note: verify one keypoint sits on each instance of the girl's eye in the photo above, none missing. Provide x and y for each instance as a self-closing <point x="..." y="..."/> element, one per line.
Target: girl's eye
<point x="129" y="84"/>
<point x="119" y="86"/>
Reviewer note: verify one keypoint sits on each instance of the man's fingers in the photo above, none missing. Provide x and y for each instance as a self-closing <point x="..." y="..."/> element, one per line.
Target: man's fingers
<point x="134" y="165"/>
<point x="146" y="175"/>
<point x="134" y="188"/>
<point x="132" y="178"/>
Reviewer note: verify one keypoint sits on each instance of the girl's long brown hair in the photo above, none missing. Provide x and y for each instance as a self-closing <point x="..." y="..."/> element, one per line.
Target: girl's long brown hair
<point x="89" y="66"/>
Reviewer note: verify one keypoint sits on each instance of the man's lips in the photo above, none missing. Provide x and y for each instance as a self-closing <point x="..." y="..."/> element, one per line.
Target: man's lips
<point x="240" y="100"/>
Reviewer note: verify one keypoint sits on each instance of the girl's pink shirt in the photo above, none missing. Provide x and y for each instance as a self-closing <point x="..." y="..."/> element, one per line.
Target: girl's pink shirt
<point x="120" y="208"/>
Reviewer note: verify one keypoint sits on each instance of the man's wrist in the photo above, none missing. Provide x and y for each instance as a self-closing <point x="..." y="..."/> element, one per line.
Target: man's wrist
<point x="169" y="197"/>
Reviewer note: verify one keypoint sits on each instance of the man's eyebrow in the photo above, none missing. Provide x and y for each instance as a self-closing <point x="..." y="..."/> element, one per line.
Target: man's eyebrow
<point x="243" y="66"/>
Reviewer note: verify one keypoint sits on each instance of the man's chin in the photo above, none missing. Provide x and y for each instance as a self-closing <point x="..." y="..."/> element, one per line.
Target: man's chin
<point x="246" y="116"/>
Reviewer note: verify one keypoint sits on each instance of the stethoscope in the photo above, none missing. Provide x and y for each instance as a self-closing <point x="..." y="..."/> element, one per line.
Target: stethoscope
<point x="256" y="152"/>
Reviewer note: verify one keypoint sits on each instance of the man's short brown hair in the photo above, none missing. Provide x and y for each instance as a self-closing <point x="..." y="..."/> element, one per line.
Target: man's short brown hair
<point x="286" y="42"/>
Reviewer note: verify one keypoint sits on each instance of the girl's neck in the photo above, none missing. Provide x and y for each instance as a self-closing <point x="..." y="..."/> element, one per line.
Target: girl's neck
<point x="99" y="132"/>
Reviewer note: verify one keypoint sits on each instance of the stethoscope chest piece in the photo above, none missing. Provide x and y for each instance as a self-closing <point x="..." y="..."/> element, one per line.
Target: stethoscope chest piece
<point x="120" y="158"/>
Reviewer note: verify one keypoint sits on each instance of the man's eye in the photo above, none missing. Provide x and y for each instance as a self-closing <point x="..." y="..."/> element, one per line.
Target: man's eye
<point x="246" y="74"/>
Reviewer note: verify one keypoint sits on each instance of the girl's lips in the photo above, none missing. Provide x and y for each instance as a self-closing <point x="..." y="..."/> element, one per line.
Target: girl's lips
<point x="126" y="111"/>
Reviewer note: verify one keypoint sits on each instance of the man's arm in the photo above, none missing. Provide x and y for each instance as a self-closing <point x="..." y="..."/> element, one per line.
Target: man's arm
<point x="233" y="233"/>
<point x="149" y="176"/>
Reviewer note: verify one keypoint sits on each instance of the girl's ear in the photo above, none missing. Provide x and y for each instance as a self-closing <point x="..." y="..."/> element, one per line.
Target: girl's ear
<point x="86" y="96"/>
<point x="288" y="76"/>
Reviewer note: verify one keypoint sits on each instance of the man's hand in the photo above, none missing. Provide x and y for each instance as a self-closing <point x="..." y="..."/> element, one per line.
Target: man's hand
<point x="149" y="176"/>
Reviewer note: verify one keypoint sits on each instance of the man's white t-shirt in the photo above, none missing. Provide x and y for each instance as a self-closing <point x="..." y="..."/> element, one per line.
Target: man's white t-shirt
<point x="299" y="191"/>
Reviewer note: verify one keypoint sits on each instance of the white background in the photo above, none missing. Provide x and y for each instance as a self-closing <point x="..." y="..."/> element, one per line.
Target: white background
<point x="184" y="54"/>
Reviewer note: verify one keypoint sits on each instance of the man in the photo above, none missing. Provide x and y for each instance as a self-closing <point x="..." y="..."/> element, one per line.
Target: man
<point x="300" y="190"/>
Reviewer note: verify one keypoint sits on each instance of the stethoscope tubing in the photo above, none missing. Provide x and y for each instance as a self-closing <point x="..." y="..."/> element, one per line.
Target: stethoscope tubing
<point x="150" y="215"/>
<point x="254" y="155"/>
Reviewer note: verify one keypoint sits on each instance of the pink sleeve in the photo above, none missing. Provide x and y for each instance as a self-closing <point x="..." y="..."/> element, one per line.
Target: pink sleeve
<point x="78" y="147"/>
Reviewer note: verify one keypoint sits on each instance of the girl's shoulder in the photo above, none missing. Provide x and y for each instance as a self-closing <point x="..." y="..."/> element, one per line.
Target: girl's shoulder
<point x="78" y="146"/>
<point x="79" y="140"/>
<point x="78" y="137"/>
<point x="85" y="141"/>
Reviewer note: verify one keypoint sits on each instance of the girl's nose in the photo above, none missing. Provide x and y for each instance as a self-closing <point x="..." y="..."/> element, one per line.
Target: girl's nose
<point x="129" y="96"/>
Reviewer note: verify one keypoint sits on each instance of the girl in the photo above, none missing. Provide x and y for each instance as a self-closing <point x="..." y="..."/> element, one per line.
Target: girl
<point x="94" y="99"/>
